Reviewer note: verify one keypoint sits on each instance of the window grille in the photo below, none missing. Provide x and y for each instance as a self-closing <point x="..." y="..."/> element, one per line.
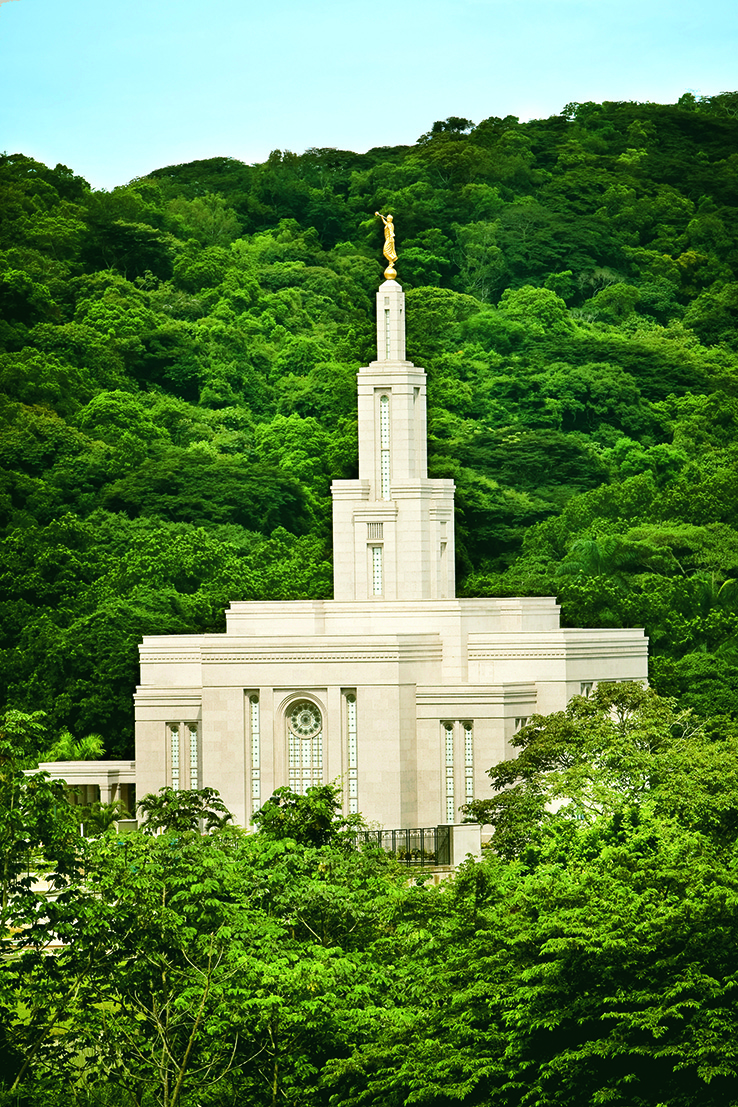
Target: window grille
<point x="377" y="581"/>
<point x="585" y="688"/>
<point x="520" y="722"/>
<point x="255" y="749"/>
<point x="468" y="761"/>
<point x="375" y="531"/>
<point x="305" y="746"/>
<point x="353" y="755"/>
<point x="384" y="446"/>
<point x="450" y="801"/>
<point x="174" y="745"/>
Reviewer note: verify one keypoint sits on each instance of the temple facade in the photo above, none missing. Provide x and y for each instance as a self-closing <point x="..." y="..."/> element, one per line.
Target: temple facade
<point x="396" y="688"/>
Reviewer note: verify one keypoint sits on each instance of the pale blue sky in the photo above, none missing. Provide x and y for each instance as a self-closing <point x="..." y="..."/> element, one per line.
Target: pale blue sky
<point x="115" y="90"/>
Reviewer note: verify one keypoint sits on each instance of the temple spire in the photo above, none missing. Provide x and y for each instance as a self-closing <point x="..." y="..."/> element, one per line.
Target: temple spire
<point x="393" y="528"/>
<point x="390" y="322"/>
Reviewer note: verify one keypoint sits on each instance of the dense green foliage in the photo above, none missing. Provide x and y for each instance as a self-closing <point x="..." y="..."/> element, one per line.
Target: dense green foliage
<point x="588" y="958"/>
<point x="177" y="363"/>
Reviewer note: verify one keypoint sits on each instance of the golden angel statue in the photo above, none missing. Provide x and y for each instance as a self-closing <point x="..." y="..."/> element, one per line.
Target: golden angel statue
<point x="389" y="250"/>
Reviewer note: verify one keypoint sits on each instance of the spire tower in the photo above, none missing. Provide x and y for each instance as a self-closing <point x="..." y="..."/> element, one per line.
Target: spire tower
<point x="393" y="528"/>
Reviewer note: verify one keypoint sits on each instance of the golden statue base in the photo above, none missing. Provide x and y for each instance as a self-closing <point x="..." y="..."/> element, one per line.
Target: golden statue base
<point x="390" y="273"/>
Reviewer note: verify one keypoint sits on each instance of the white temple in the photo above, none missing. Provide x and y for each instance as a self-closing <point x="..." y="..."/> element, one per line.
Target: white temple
<point x="402" y="692"/>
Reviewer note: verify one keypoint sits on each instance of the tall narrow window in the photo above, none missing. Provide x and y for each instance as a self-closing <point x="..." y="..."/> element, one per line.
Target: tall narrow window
<point x="384" y="446"/>
<point x="377" y="581"/>
<point x="448" y="730"/>
<point x="387" y="339"/>
<point x="353" y="755"/>
<point x="255" y="749"/>
<point x="194" y="764"/>
<point x="468" y="761"/>
<point x="174" y="748"/>
<point x="305" y="746"/>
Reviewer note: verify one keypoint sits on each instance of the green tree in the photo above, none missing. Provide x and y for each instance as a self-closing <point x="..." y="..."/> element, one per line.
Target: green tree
<point x="183" y="811"/>
<point x="68" y="748"/>
<point x="40" y="859"/>
<point x="312" y="819"/>
<point x="588" y="956"/>
<point x="622" y="749"/>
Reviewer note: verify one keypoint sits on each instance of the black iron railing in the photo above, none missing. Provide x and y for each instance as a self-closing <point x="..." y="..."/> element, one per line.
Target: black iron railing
<point x="430" y="845"/>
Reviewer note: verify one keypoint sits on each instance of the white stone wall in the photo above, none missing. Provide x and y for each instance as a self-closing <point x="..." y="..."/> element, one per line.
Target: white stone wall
<point x="412" y="665"/>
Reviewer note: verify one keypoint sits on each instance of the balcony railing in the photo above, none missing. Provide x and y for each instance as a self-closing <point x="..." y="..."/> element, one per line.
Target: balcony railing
<point x="430" y="845"/>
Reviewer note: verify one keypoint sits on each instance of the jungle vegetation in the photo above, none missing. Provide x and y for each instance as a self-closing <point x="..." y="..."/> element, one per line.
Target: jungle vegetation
<point x="177" y="386"/>
<point x="588" y="958"/>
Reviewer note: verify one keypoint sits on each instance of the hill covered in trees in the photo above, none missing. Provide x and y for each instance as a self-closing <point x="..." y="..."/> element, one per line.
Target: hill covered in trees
<point x="177" y="382"/>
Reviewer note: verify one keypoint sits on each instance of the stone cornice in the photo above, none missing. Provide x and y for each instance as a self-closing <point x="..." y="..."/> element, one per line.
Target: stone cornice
<point x="168" y="697"/>
<point x="468" y="694"/>
<point x="324" y="653"/>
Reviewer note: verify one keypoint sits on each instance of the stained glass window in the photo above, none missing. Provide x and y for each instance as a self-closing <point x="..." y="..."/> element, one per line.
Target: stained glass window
<point x="353" y="755"/>
<point x="384" y="446"/>
<point x="255" y="748"/>
<point x="377" y="576"/>
<point x="305" y="746"/>
<point x="194" y="761"/>
<point x="448" y="730"/>
<point x="174" y="753"/>
<point x="469" y="761"/>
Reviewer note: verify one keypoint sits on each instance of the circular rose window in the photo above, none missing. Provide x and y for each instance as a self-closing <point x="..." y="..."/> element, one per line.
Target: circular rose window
<point x="305" y="720"/>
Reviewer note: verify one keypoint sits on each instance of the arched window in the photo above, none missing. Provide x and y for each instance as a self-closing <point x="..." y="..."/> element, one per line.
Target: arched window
<point x="305" y="746"/>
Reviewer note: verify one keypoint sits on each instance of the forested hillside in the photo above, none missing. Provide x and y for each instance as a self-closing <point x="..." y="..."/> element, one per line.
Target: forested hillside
<point x="177" y="381"/>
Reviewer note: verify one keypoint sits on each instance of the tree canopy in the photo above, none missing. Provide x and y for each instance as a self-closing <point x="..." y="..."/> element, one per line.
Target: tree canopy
<point x="588" y="957"/>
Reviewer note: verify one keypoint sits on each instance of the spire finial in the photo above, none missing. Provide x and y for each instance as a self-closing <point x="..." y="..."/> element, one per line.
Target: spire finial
<point x="388" y="249"/>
